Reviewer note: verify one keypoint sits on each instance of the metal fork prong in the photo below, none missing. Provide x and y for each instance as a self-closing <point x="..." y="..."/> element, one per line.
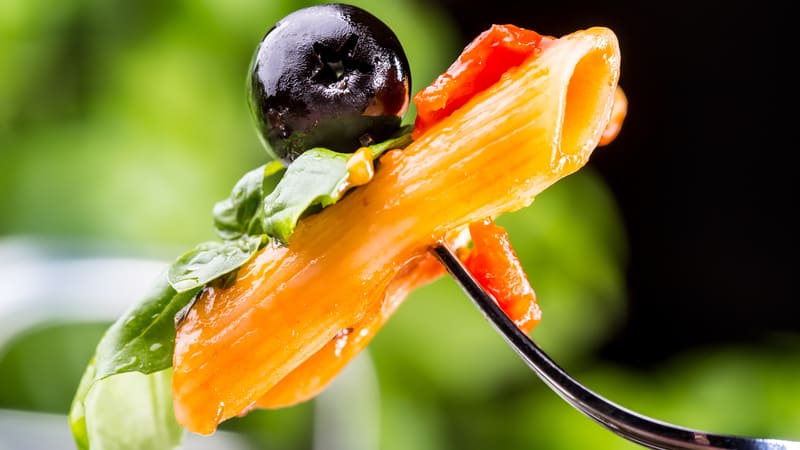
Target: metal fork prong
<point x="630" y="425"/>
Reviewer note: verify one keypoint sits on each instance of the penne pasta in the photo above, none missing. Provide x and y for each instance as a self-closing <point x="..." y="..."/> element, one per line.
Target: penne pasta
<point x="278" y="328"/>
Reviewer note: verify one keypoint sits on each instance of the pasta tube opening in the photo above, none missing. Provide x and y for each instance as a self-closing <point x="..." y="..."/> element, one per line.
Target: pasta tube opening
<point x="590" y="93"/>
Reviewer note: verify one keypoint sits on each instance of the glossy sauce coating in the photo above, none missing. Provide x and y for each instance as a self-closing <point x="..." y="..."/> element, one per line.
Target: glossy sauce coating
<point x="534" y="126"/>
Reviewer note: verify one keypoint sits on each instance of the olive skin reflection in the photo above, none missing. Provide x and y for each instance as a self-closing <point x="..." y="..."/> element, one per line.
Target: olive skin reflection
<point x="330" y="76"/>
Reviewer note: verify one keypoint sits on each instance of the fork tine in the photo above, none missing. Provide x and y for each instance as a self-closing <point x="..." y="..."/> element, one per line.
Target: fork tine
<point x="630" y="425"/>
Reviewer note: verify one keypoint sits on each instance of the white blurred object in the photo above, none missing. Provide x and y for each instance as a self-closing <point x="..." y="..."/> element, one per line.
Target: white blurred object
<point x="347" y="413"/>
<point x="40" y="287"/>
<point x="23" y="430"/>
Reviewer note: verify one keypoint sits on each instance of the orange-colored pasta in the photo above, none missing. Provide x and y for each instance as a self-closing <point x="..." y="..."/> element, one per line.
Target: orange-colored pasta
<point x="263" y="335"/>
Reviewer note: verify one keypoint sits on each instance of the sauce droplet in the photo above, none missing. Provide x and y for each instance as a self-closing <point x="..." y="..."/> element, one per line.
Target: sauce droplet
<point x="360" y="169"/>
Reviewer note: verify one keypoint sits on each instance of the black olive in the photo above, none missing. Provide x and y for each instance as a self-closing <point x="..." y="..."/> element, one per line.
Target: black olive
<point x="331" y="76"/>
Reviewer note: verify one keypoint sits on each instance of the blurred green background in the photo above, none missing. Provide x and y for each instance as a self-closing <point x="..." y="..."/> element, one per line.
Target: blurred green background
<point x="122" y="123"/>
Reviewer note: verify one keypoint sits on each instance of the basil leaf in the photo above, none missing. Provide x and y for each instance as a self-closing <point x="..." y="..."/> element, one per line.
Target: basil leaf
<point x="124" y="400"/>
<point x="143" y="339"/>
<point x="318" y="177"/>
<point x="210" y="260"/>
<point x="127" y="411"/>
<point x="241" y="213"/>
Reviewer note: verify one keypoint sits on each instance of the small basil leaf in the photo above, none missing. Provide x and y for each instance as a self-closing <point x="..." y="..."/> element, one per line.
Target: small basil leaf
<point x="143" y="339"/>
<point x="127" y="411"/>
<point x="316" y="177"/>
<point x="241" y="213"/>
<point x="211" y="260"/>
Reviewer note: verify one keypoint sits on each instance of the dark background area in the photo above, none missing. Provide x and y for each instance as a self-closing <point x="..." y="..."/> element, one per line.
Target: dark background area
<point x="703" y="170"/>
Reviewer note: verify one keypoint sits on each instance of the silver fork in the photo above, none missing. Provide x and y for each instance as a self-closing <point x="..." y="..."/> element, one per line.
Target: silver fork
<point x="630" y="425"/>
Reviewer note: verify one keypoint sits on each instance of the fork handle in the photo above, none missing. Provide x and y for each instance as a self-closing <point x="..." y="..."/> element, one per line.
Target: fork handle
<point x="643" y="430"/>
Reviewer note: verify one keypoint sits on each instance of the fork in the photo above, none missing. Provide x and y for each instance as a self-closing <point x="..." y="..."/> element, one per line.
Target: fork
<point x="643" y="430"/>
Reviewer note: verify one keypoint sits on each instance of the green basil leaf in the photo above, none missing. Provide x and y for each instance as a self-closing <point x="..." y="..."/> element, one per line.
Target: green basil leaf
<point x="241" y="213"/>
<point x="143" y="339"/>
<point x="316" y="178"/>
<point x="124" y="400"/>
<point x="126" y="411"/>
<point x="210" y="260"/>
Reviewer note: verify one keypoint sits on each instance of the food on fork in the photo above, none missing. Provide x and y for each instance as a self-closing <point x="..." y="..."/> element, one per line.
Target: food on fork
<point x="309" y="270"/>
